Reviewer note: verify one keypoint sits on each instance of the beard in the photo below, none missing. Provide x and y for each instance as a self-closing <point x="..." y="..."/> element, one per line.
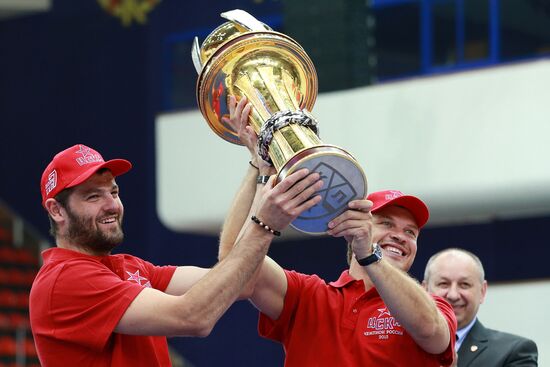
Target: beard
<point x="83" y="232"/>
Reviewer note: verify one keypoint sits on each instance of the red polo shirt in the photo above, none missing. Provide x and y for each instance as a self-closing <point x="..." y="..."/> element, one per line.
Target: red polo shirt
<point x="339" y="324"/>
<point x="77" y="300"/>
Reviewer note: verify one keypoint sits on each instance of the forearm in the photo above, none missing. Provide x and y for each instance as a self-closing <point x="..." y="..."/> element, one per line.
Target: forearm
<point x="225" y="247"/>
<point x="238" y="212"/>
<point x="411" y="305"/>
<point x="207" y="294"/>
<point x="206" y="302"/>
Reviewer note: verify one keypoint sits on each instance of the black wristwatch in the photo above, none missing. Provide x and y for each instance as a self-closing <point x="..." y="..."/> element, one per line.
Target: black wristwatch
<point x="376" y="256"/>
<point x="262" y="179"/>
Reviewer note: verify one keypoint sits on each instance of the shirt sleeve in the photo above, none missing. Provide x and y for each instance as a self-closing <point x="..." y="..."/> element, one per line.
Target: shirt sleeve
<point x="280" y="329"/>
<point x="446" y="358"/>
<point x="159" y="276"/>
<point x="87" y="302"/>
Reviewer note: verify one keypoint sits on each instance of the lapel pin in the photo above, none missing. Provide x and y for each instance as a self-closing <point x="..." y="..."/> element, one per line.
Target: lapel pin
<point x="473" y="348"/>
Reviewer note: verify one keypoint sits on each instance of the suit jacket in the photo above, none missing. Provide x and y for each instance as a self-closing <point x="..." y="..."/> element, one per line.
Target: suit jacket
<point x="484" y="347"/>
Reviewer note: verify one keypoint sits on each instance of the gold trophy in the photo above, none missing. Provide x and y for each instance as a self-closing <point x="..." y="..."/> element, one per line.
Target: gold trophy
<point x="245" y="57"/>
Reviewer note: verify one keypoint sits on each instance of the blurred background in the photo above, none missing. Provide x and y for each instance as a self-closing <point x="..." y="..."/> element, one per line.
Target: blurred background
<point x="445" y="99"/>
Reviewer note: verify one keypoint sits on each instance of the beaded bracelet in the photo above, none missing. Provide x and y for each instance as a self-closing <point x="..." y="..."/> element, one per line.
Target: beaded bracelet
<point x="265" y="226"/>
<point x="252" y="164"/>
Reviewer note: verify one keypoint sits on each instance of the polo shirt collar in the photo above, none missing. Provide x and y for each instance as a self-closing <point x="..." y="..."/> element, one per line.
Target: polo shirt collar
<point x="347" y="281"/>
<point x="343" y="281"/>
<point x="60" y="254"/>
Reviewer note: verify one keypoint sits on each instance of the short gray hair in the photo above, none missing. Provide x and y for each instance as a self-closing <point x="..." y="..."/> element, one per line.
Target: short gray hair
<point x="476" y="259"/>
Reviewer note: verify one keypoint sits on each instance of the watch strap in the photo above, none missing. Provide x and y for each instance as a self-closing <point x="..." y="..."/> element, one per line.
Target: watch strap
<point x="372" y="258"/>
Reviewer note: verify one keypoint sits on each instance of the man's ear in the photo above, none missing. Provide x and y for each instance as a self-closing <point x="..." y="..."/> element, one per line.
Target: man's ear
<point x="55" y="210"/>
<point x="483" y="291"/>
<point x="424" y="285"/>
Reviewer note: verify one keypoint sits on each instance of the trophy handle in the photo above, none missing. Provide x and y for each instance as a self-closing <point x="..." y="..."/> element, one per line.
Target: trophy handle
<point x="245" y="20"/>
<point x="196" y="55"/>
<point x="237" y="16"/>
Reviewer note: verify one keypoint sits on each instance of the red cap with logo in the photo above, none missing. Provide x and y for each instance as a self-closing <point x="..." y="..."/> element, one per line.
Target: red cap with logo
<point x="75" y="165"/>
<point x="383" y="199"/>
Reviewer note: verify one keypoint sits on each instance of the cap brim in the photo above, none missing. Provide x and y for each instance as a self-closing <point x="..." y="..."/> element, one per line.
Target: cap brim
<point x="116" y="166"/>
<point x="418" y="209"/>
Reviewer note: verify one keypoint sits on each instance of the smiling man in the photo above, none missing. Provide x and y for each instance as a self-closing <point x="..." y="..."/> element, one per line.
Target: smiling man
<point x="458" y="276"/>
<point x="89" y="307"/>
<point x="375" y="314"/>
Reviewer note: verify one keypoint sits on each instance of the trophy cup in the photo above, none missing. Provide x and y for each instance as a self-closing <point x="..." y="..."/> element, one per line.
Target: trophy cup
<point x="245" y="57"/>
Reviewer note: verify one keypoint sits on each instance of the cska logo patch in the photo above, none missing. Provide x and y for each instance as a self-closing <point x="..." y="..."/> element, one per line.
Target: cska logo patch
<point x="393" y="195"/>
<point x="86" y="156"/>
<point x="383" y="325"/>
<point x="51" y="183"/>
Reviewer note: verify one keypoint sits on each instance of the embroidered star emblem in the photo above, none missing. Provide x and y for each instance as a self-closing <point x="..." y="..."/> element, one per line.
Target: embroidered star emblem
<point x="135" y="277"/>
<point x="384" y="311"/>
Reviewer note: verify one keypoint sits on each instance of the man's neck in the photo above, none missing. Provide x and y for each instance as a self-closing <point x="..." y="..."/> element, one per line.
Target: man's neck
<point x="358" y="272"/>
<point x="63" y="243"/>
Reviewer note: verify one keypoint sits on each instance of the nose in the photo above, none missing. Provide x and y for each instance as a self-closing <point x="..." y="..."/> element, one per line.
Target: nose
<point x="111" y="204"/>
<point x="452" y="293"/>
<point x="396" y="236"/>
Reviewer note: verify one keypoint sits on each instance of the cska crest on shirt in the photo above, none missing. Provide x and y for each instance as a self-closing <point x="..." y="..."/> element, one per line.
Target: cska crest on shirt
<point x="135" y="277"/>
<point x="382" y="325"/>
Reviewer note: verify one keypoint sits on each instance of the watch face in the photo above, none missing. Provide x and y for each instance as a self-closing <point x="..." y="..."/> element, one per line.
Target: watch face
<point x="372" y="258"/>
<point x="377" y="250"/>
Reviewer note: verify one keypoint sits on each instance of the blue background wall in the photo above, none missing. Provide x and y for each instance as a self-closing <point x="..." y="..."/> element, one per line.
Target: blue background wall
<point x="76" y="75"/>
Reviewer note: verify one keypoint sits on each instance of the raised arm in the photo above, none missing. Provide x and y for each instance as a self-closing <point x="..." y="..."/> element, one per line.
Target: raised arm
<point x="241" y="208"/>
<point x="412" y="306"/>
<point x="238" y="213"/>
<point x="267" y="288"/>
<point x="242" y="202"/>
<point x="195" y="313"/>
<point x="407" y="301"/>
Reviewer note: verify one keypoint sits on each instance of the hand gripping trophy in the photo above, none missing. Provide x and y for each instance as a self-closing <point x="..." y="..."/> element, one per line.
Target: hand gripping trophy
<point x="244" y="57"/>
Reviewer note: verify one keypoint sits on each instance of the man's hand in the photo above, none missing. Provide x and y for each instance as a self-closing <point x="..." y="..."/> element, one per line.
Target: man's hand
<point x="355" y="225"/>
<point x="238" y="120"/>
<point x="282" y="203"/>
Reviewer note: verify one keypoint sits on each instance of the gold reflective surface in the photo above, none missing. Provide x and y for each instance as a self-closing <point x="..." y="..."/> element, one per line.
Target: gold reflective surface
<point x="267" y="67"/>
<point x="275" y="74"/>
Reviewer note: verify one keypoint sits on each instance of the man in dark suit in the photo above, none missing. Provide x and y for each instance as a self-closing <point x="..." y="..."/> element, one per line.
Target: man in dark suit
<point x="458" y="276"/>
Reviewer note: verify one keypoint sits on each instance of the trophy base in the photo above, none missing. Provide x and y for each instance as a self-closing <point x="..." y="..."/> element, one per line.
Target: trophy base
<point x="343" y="181"/>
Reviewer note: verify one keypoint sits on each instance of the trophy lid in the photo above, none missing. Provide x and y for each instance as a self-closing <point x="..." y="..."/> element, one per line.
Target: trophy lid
<point x="244" y="57"/>
<point x="225" y="32"/>
<point x="240" y="22"/>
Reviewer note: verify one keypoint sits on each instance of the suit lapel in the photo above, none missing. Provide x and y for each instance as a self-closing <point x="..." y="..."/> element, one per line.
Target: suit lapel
<point x="475" y="343"/>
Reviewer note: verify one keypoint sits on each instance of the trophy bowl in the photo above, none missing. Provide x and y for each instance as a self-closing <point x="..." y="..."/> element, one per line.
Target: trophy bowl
<point x="245" y="57"/>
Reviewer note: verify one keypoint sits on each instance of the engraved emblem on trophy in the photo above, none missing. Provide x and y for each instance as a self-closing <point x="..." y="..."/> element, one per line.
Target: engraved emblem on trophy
<point x="245" y="57"/>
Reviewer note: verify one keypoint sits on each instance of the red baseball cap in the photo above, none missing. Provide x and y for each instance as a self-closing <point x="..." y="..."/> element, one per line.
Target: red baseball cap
<point x="75" y="165"/>
<point x="383" y="199"/>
